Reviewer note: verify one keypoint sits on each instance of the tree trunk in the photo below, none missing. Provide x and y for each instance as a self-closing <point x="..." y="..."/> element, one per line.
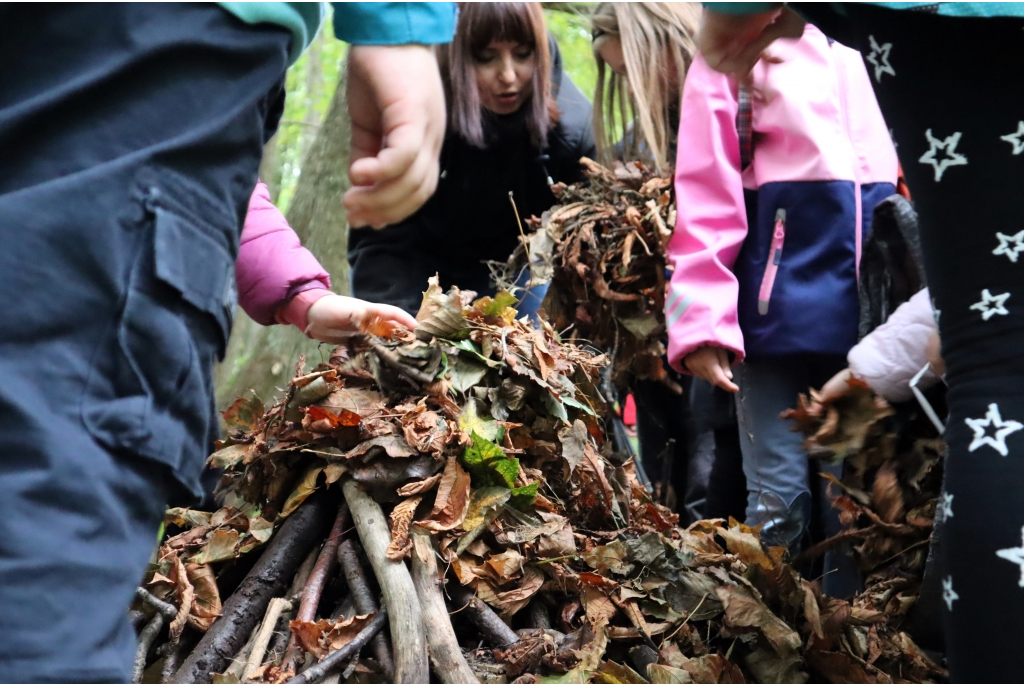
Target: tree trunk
<point x="261" y="358"/>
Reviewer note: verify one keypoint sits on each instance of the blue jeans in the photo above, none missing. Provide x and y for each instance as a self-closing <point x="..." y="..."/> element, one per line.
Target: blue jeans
<point x="131" y="138"/>
<point x="775" y="462"/>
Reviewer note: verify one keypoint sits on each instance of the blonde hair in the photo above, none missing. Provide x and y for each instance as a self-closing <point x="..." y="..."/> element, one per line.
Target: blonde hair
<point x="657" y="39"/>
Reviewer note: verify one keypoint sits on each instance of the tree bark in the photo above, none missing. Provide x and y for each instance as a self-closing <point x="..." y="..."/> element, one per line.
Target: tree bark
<point x="365" y="602"/>
<point x="403" y="606"/>
<point x="445" y="653"/>
<point x="261" y="358"/>
<point x="480" y="616"/>
<point x="247" y="605"/>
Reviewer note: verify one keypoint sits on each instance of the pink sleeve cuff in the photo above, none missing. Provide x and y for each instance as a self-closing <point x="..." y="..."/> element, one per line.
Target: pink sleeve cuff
<point x="296" y="312"/>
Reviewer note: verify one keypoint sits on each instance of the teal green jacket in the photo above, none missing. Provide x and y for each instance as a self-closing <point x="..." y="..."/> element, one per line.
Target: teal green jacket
<point x="359" y="23"/>
<point x="951" y="9"/>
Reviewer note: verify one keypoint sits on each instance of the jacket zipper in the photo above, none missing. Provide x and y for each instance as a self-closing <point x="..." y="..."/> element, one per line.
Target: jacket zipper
<point x="774" y="258"/>
<point x="857" y="200"/>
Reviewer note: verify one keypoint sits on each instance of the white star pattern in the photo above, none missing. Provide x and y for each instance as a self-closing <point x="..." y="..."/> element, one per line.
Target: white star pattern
<point x="879" y="59"/>
<point x="949" y="145"/>
<point x="948" y="595"/>
<point x="991" y="305"/>
<point x="1004" y="245"/>
<point x="1015" y="555"/>
<point x="1016" y="139"/>
<point x="1003" y="429"/>
<point x="944" y="511"/>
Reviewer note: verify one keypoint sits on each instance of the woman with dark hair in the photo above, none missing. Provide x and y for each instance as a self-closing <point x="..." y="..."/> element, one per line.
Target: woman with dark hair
<point x="516" y="124"/>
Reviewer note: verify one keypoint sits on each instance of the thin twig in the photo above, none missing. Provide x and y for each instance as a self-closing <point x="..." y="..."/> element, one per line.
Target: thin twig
<point x="338" y="657"/>
<point x="146" y="638"/>
<point x="168" y="610"/>
<point x="686" y="620"/>
<point x="259" y="648"/>
<point x="522" y="234"/>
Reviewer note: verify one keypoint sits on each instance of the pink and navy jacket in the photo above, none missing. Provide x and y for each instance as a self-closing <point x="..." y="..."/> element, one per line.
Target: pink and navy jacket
<point x="278" y="279"/>
<point x="766" y="257"/>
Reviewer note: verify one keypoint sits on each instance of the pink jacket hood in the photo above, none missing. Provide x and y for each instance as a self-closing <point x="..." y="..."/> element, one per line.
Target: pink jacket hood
<point x="817" y="129"/>
<point x="272" y="265"/>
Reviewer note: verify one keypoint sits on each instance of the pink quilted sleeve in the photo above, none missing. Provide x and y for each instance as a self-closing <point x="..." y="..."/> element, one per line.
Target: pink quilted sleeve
<point x="273" y="266"/>
<point x="711" y="224"/>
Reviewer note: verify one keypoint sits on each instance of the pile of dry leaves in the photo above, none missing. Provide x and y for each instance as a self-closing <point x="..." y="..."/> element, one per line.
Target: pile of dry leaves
<point x="488" y="510"/>
<point x="603" y="251"/>
<point x="889" y="497"/>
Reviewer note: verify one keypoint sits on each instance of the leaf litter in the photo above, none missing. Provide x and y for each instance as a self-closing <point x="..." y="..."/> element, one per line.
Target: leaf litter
<point x="483" y="431"/>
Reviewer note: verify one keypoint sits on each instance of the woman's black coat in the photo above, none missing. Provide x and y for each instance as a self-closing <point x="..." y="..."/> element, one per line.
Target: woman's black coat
<point x="469" y="219"/>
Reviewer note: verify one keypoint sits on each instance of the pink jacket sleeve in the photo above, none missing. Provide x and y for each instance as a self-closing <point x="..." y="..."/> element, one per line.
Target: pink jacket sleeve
<point x="273" y="266"/>
<point x="711" y="224"/>
<point x="893" y="353"/>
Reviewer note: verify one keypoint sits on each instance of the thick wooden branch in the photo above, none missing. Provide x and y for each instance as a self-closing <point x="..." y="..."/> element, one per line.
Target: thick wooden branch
<point x="247" y="605"/>
<point x="446" y="655"/>
<point x="403" y="606"/>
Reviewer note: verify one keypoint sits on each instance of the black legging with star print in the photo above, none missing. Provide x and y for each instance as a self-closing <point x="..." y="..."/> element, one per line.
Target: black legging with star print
<point x="952" y="92"/>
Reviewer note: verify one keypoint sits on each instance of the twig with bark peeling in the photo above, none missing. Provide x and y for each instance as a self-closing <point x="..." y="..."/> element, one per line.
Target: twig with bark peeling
<point x="365" y="603"/>
<point x="337" y="658"/>
<point x="315" y="586"/>
<point x="445" y="653"/>
<point x="482" y="617"/>
<point x="247" y="605"/>
<point x="411" y="663"/>
<point x="259" y="648"/>
<point x="146" y="638"/>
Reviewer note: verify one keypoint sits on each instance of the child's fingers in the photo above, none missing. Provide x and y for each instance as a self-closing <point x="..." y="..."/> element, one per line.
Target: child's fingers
<point x="719" y="378"/>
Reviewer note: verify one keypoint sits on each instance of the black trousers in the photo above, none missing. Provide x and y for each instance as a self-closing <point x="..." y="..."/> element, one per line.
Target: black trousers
<point x="950" y="89"/>
<point x="130" y="137"/>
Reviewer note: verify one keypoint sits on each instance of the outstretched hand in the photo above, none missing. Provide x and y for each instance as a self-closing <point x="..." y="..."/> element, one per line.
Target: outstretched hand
<point x="396" y="104"/>
<point x="733" y="43"/>
<point x="334" y="318"/>
<point x="711" y="364"/>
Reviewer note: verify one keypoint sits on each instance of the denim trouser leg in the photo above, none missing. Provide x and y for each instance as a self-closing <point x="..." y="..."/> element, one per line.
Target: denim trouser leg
<point x="774" y="460"/>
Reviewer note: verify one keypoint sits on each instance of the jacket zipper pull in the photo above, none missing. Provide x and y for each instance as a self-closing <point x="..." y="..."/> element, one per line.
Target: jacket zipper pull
<point x="774" y="258"/>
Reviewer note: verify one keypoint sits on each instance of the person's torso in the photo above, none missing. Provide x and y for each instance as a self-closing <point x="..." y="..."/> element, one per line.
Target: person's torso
<point x="821" y="160"/>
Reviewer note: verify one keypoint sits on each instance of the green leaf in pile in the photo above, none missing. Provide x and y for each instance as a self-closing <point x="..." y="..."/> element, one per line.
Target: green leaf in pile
<point x="488" y="464"/>
<point x="466" y="373"/>
<point x="470" y="346"/>
<point x="555" y="406"/>
<point x="524" y="496"/>
<point x="497" y="305"/>
<point x="472" y="421"/>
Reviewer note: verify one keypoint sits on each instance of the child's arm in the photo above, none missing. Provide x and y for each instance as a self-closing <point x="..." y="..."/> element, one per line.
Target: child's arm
<point x="891" y="355"/>
<point x="280" y="281"/>
<point x="700" y="309"/>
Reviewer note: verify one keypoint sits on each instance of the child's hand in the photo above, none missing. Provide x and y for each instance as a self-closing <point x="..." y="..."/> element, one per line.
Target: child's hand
<point x="836" y="387"/>
<point x="334" y="318"/>
<point x="711" y="364"/>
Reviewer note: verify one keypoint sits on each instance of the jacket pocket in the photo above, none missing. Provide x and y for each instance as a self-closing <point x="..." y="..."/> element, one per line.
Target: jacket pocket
<point x="774" y="259"/>
<point x="150" y="388"/>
